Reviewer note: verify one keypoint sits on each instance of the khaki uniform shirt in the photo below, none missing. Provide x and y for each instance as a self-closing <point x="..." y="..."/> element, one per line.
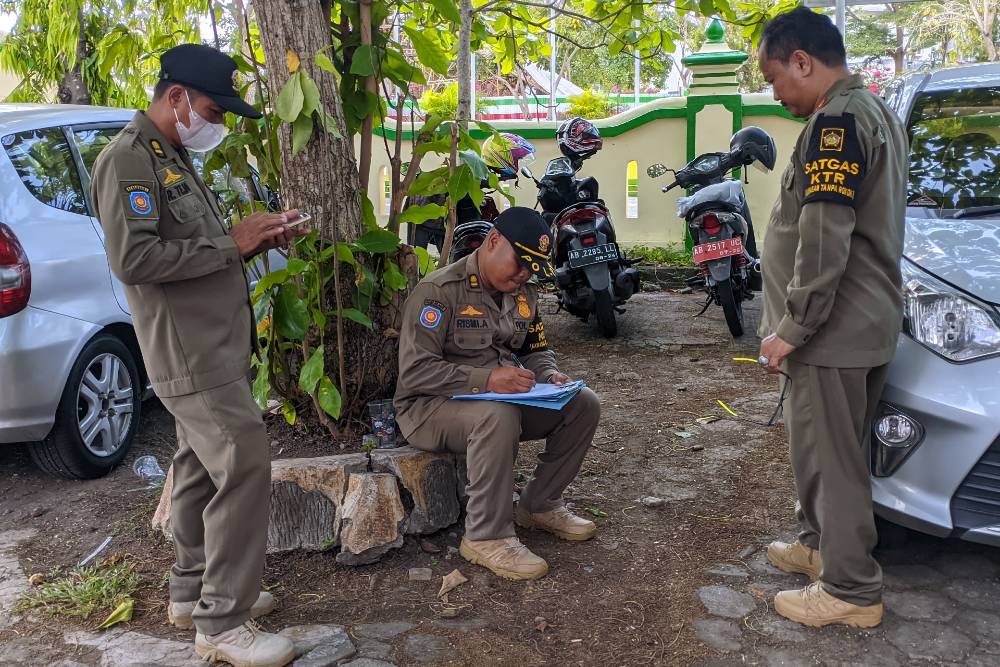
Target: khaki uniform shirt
<point x="183" y="275"/>
<point x="454" y="334"/>
<point x="832" y="283"/>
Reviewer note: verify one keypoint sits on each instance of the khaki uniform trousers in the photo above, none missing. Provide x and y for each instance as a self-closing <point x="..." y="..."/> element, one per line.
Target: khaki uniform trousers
<point x="488" y="433"/>
<point x="220" y="504"/>
<point x="829" y="420"/>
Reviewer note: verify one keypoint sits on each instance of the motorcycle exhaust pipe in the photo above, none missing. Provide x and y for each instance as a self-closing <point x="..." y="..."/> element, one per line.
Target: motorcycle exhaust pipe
<point x="625" y="283"/>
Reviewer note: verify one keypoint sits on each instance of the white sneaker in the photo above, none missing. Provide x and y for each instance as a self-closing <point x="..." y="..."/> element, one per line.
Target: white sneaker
<point x="245" y="646"/>
<point x="179" y="613"/>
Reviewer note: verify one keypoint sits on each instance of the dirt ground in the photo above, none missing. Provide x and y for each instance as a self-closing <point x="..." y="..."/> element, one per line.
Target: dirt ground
<point x="628" y="597"/>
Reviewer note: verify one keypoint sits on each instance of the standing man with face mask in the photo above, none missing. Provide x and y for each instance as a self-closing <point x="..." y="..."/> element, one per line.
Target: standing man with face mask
<point x="833" y="309"/>
<point x="183" y="271"/>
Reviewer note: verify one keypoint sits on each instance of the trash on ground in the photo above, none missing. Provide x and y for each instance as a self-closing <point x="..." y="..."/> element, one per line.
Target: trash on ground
<point x="596" y="512"/>
<point x="450" y="582"/>
<point x="652" y="501"/>
<point x="148" y="469"/>
<point x="421" y="574"/>
<point x="707" y="420"/>
<point x="98" y="550"/>
<point x="684" y="434"/>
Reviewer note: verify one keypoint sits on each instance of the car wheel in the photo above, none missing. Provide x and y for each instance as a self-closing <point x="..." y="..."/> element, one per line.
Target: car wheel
<point x="97" y="416"/>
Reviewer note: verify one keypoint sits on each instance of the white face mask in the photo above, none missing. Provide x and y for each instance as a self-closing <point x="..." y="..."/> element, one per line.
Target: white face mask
<point x="202" y="136"/>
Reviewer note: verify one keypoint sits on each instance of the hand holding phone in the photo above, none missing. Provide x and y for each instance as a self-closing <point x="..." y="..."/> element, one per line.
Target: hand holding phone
<point x="301" y="219"/>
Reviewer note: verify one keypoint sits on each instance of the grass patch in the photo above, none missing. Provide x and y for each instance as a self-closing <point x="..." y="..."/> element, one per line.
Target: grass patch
<point x="671" y="255"/>
<point x="81" y="592"/>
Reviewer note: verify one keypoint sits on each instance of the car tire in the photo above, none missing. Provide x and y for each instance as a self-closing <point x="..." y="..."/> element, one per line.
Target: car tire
<point x="98" y="414"/>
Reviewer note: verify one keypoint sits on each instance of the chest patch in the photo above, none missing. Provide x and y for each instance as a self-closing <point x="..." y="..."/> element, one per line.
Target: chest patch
<point x="474" y="323"/>
<point x="523" y="309"/>
<point x="157" y="149"/>
<point x="168" y="177"/>
<point x="175" y="192"/>
<point x="471" y="311"/>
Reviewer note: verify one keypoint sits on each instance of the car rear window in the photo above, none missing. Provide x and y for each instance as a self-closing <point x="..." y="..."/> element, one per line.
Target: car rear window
<point x="44" y="162"/>
<point x="955" y="148"/>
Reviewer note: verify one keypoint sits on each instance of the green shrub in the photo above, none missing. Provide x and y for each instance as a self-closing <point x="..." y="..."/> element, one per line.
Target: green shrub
<point x="442" y="102"/>
<point x="672" y="255"/>
<point x="590" y="105"/>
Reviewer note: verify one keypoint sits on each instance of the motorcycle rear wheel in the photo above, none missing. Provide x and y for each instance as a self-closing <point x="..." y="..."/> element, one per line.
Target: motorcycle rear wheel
<point x="731" y="307"/>
<point x="605" y="313"/>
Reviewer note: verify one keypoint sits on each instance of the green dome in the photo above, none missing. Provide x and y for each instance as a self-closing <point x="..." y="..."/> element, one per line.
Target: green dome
<point x="715" y="32"/>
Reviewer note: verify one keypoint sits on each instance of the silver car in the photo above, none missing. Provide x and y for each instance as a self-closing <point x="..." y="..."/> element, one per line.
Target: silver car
<point x="71" y="375"/>
<point x="936" y="445"/>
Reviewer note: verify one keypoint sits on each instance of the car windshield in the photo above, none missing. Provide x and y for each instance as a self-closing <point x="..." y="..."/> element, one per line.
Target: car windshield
<point x="955" y="149"/>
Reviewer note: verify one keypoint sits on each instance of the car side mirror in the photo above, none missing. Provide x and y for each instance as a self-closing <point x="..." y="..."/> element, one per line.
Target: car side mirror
<point x="656" y="170"/>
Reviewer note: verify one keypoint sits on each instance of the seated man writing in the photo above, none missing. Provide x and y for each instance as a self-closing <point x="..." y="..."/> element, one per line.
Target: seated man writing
<point x="467" y="329"/>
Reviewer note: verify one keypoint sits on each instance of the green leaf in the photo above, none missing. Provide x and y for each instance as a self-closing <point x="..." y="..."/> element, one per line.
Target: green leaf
<point x="418" y="214"/>
<point x="291" y="317"/>
<point x="429" y="51"/>
<point x="301" y="132"/>
<point x="329" y="398"/>
<point x="393" y="277"/>
<point x="262" y="387"/>
<point x="324" y="63"/>
<point x="311" y="372"/>
<point x="290" y="99"/>
<point x="319" y="318"/>
<point x="596" y="512"/>
<point x="288" y="411"/>
<point x="479" y="168"/>
<point x="311" y="101"/>
<point x="447" y="9"/>
<point x="122" y="613"/>
<point x="345" y="255"/>
<point x="363" y="63"/>
<point x="397" y="68"/>
<point x="462" y="182"/>
<point x="368" y="213"/>
<point x="377" y="241"/>
<point x="356" y="315"/>
<point x="424" y="262"/>
<point x="434" y="146"/>
<point x="269" y="281"/>
<point x="430" y="182"/>
<point x="296" y="266"/>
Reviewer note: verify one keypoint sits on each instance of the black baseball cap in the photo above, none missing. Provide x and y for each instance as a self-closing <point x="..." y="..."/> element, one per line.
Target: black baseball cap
<point x="210" y="72"/>
<point x="530" y="236"/>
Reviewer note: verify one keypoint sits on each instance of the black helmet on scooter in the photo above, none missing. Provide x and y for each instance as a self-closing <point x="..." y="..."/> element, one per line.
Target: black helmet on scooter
<point x="578" y="138"/>
<point x="468" y="237"/>
<point x="752" y="145"/>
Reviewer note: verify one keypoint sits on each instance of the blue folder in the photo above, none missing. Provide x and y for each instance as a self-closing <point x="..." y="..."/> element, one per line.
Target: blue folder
<point x="543" y="395"/>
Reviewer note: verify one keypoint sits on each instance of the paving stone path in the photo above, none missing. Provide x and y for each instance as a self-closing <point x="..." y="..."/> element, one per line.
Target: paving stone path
<point x="942" y="601"/>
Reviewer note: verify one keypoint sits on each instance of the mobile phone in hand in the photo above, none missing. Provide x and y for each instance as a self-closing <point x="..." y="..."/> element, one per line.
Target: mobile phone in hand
<point x="295" y="222"/>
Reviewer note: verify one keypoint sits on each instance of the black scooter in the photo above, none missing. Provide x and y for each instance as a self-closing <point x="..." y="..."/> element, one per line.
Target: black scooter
<point x="593" y="275"/>
<point x="718" y="217"/>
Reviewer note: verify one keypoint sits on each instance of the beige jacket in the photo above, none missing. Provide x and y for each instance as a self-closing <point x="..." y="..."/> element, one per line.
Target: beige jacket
<point x="184" y="278"/>
<point x="832" y="283"/>
<point x="454" y="334"/>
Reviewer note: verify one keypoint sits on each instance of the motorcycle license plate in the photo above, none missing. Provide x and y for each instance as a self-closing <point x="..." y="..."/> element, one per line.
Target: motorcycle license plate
<point x="706" y="252"/>
<point x="592" y="255"/>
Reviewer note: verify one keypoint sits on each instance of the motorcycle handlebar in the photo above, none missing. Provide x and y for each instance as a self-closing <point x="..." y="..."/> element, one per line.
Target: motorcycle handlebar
<point x="668" y="188"/>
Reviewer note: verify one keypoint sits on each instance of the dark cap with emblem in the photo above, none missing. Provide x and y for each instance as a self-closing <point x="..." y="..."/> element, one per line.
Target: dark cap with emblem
<point x="530" y="236"/>
<point x="210" y="72"/>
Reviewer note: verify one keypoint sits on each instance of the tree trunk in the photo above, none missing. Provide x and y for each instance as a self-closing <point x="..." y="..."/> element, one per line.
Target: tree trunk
<point x="73" y="88"/>
<point x="365" y="165"/>
<point x="900" y="50"/>
<point x="465" y="63"/>
<point x="322" y="179"/>
<point x="984" y="15"/>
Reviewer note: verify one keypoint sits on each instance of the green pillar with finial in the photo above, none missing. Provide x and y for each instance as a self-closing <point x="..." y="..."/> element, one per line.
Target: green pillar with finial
<point x="714" y="65"/>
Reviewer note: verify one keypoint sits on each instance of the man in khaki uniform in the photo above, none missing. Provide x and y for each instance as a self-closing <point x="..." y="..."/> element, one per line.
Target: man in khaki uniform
<point x="184" y="278"/>
<point x="475" y="327"/>
<point x="833" y="310"/>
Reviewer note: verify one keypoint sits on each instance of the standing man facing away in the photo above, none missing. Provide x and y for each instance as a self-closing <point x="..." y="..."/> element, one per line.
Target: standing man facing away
<point x="185" y="282"/>
<point x="467" y="329"/>
<point x="832" y="310"/>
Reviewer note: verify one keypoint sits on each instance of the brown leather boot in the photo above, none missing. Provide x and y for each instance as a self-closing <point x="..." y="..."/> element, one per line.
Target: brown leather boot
<point x="796" y="558"/>
<point x="505" y="558"/>
<point x="560" y="522"/>
<point x="815" y="607"/>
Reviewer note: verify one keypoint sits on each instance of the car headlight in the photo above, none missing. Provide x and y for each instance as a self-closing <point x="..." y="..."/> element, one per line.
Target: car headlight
<point x="946" y="320"/>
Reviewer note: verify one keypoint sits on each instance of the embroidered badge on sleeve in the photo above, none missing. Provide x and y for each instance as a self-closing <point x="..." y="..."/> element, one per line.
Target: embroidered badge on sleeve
<point x="834" y="165"/>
